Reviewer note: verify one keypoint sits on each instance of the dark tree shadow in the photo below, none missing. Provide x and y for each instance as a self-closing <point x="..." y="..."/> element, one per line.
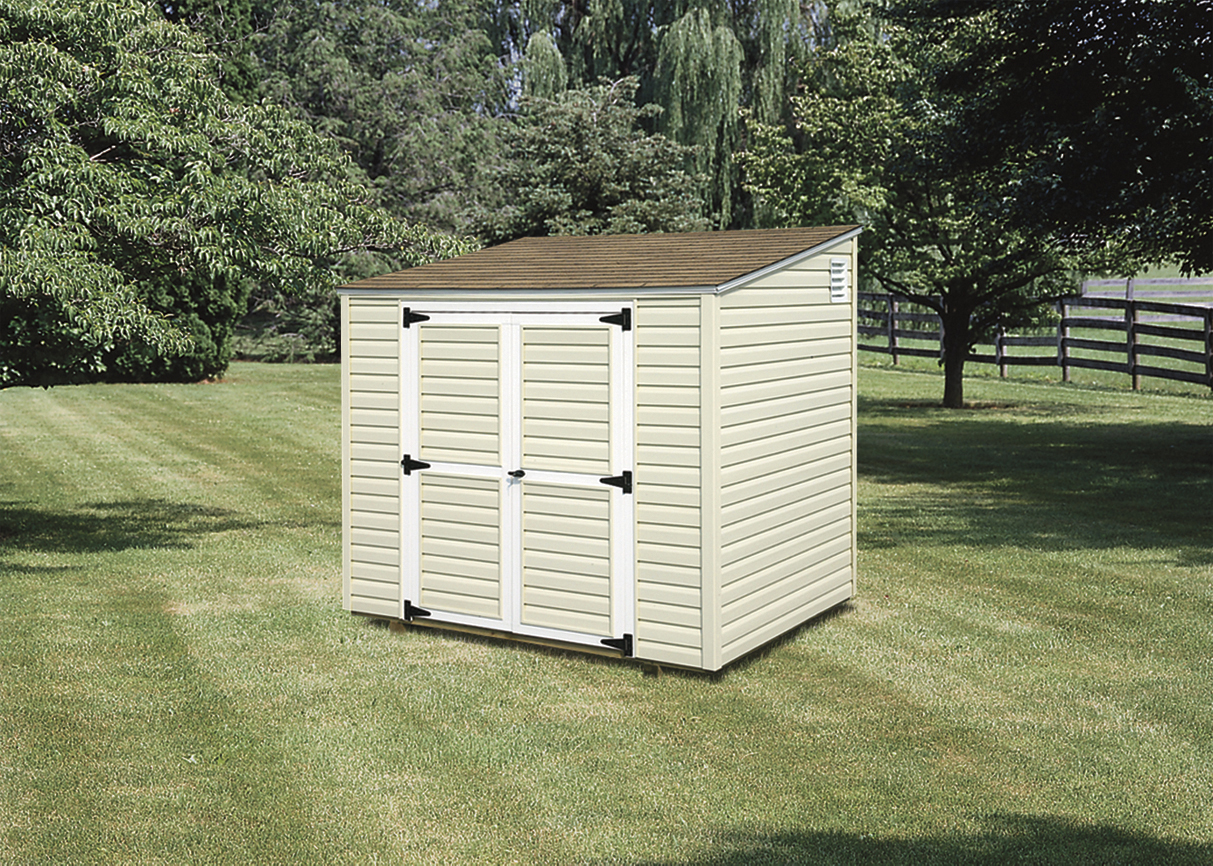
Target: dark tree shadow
<point x="1052" y="479"/>
<point x="1018" y="839"/>
<point x="110" y="526"/>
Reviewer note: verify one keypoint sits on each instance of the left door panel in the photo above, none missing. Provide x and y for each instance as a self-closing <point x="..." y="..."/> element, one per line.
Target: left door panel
<point x="453" y="511"/>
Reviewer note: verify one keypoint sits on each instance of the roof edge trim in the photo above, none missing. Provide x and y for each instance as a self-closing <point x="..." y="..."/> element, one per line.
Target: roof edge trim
<point x="738" y="282"/>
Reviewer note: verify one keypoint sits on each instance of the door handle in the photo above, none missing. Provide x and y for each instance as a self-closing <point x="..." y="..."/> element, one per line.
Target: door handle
<point x="517" y="473"/>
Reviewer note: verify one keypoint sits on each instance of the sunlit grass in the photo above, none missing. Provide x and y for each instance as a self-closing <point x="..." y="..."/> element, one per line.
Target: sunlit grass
<point x="1024" y="676"/>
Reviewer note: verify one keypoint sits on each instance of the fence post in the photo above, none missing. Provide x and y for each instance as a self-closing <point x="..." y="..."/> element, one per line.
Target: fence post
<point x="1209" y="345"/>
<point x="1063" y="336"/>
<point x="1000" y="351"/>
<point x="1131" y="337"/>
<point x="893" y="306"/>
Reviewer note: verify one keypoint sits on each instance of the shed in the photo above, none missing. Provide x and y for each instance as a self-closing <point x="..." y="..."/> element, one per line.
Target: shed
<point x="643" y="444"/>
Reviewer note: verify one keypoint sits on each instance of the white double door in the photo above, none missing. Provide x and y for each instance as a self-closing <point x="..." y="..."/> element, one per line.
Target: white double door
<point x="516" y="430"/>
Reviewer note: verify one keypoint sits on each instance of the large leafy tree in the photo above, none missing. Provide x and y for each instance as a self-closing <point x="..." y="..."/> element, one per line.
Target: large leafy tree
<point x="1095" y="115"/>
<point x="412" y="91"/>
<point x="126" y="172"/>
<point x="869" y="147"/>
<point x="580" y="163"/>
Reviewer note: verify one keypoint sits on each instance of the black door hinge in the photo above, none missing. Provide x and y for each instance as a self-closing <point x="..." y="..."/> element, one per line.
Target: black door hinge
<point x="623" y="644"/>
<point x="623" y="319"/>
<point x="411" y="611"/>
<point x="410" y="317"/>
<point x="410" y="464"/>
<point x="623" y="482"/>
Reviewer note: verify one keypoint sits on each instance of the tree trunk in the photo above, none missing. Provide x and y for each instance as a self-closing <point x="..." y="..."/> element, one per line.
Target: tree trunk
<point x="955" y="350"/>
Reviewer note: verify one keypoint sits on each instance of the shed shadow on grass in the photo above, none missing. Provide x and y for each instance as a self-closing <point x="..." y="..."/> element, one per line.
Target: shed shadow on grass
<point x="1040" y="840"/>
<point x="1041" y="478"/>
<point x="111" y="526"/>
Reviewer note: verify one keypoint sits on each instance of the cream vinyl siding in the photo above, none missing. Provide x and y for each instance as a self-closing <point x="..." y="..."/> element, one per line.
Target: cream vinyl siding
<point x="566" y="558"/>
<point x="669" y="563"/>
<point x="460" y="403"/>
<point x="566" y="399"/>
<point x="461" y="544"/>
<point x="786" y="454"/>
<point x="371" y="499"/>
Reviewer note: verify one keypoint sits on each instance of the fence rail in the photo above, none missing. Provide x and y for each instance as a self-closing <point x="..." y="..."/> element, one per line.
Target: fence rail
<point x="1122" y="334"/>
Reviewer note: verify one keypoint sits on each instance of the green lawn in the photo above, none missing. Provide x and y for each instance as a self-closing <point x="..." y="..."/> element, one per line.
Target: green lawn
<point x="1026" y="675"/>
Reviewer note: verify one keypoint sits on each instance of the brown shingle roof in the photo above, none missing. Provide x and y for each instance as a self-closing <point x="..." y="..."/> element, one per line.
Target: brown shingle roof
<point x="697" y="259"/>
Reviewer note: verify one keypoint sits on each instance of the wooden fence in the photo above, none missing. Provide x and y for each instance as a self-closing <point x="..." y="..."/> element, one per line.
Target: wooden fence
<point x="1120" y="326"/>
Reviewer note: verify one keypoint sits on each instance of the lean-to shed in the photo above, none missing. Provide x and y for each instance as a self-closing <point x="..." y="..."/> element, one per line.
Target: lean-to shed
<point x="642" y="442"/>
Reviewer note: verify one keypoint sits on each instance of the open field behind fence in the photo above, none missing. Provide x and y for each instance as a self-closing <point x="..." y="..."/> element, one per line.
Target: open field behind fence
<point x="1024" y="676"/>
<point x="1157" y="328"/>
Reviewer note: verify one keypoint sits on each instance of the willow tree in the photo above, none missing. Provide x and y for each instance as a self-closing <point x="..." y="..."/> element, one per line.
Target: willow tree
<point x="710" y="64"/>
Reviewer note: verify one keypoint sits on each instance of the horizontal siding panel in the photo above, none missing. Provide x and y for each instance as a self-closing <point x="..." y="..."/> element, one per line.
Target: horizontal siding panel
<point x="479" y="425"/>
<point x="659" y="396"/>
<point x="560" y="617"/>
<point x="471" y="386"/>
<point x="465" y="605"/>
<point x="824" y="543"/>
<point x="820" y="465"/>
<point x="747" y="635"/>
<point x="376" y="555"/>
<point x="664" y="554"/>
<point x="374" y="606"/>
<point x="385" y="367"/>
<point x="375" y="382"/>
<point x="387" y="401"/>
<point x="382" y="332"/>
<point x="374" y="486"/>
<point x="781" y="334"/>
<point x="663" y="475"/>
<point x="826" y="380"/>
<point x="745" y="518"/>
<point x="588" y="412"/>
<point x="374" y="520"/>
<point x="362" y="310"/>
<point x="648" y="375"/>
<point x="795" y="313"/>
<point x="669" y="437"/>
<point x="374" y="452"/>
<point x="445" y="548"/>
<point x="374" y="417"/>
<point x="784" y="424"/>
<point x="672" y="536"/>
<point x="386" y="576"/>
<point x="668" y="634"/>
<point x="556" y="569"/>
<point x="375" y="435"/>
<point x="668" y="416"/>
<point x="375" y="469"/>
<point x="663" y="336"/>
<point x="444" y="490"/>
<point x="686" y="496"/>
<point x="667" y="314"/>
<point x="681" y="594"/>
<point x="389" y="349"/>
<point x="781" y="462"/>
<point x="364" y="503"/>
<point x="472" y="535"/>
<point x="362" y="536"/>
<point x="664" y="514"/>
<point x="656" y="577"/>
<point x="480" y="570"/>
<point x="670" y="615"/>
<point x="745" y="363"/>
<point x="545" y="591"/>
<point x="656" y="455"/>
<point x="787" y="573"/>
<point x="787" y="444"/>
<point x="832" y="400"/>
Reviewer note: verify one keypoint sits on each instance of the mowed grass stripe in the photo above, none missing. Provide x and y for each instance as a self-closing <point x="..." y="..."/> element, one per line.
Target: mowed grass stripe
<point x="1024" y="674"/>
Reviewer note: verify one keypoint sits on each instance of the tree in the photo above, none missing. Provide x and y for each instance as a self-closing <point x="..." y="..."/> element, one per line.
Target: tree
<point x="580" y="164"/>
<point x="124" y="167"/>
<point x="869" y="142"/>
<point x="703" y="61"/>
<point x="1098" y="114"/>
<point x="412" y="91"/>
